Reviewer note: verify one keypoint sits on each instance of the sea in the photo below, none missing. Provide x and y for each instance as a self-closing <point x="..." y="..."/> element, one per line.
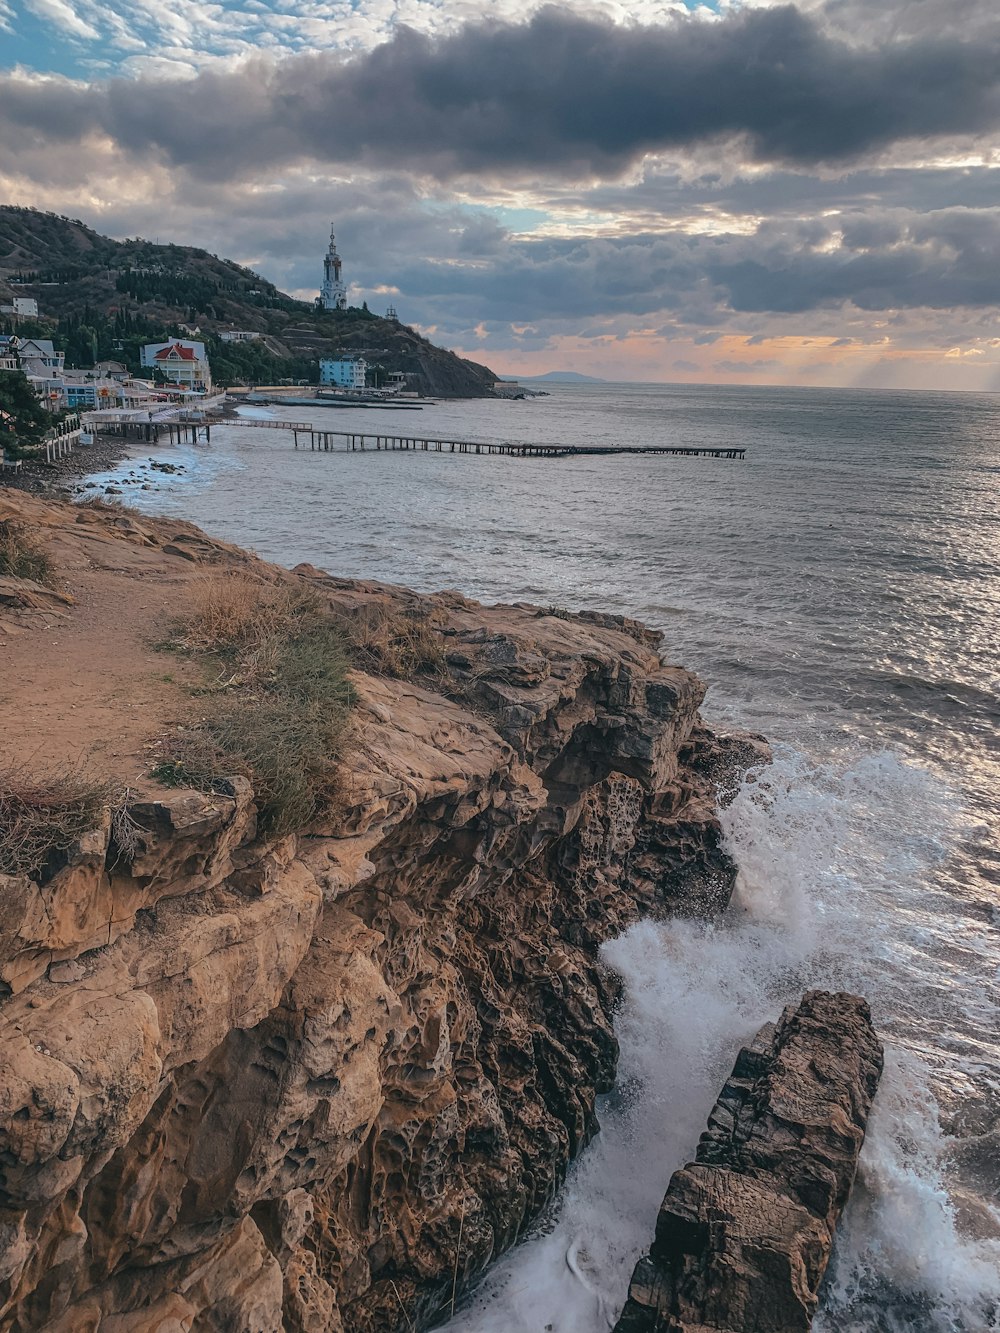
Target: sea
<point x="839" y="591"/>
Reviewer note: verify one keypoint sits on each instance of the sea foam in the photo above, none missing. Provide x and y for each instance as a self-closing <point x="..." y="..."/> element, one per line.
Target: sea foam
<point x="834" y="859"/>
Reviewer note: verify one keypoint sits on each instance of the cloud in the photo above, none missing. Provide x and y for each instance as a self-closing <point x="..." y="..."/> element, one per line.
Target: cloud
<point x="561" y="93"/>
<point x="64" y="18"/>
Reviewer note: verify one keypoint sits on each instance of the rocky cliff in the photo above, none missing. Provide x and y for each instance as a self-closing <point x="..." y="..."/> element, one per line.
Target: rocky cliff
<point x="744" y="1234"/>
<point x="318" y="1082"/>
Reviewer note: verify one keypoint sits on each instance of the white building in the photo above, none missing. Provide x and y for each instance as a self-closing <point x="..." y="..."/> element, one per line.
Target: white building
<point x="147" y="357"/>
<point x="240" y="336"/>
<point x="333" y="295"/>
<point x="348" y="372"/>
<point x="20" y="305"/>
<point x="181" y="362"/>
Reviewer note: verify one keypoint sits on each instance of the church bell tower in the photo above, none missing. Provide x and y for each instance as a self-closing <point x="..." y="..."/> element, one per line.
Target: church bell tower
<point x="334" y="293"/>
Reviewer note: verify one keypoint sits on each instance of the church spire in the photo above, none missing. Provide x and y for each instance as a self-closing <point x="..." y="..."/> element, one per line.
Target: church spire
<point x="333" y="295"/>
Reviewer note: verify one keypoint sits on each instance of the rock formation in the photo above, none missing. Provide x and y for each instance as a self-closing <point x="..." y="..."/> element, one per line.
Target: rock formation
<point x="318" y="1082"/>
<point x="744" y="1233"/>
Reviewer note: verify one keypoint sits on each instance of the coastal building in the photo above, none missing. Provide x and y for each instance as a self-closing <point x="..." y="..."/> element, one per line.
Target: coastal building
<point x="240" y="336"/>
<point x="114" y="370"/>
<point x="333" y="295"/>
<point x="82" y="389"/>
<point x="346" y="372"/>
<point x="147" y="357"/>
<point x="41" y="354"/>
<point x="181" y="362"/>
<point x="25" y="306"/>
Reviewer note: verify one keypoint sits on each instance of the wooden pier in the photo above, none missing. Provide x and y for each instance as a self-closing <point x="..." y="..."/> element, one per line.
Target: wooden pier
<point x="327" y="441"/>
<point x="176" y="426"/>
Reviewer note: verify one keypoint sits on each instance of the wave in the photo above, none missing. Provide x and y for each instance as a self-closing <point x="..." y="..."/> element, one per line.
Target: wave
<point x="833" y="860"/>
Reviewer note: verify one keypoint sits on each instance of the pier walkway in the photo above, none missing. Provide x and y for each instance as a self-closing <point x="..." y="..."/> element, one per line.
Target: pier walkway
<point x="326" y="441"/>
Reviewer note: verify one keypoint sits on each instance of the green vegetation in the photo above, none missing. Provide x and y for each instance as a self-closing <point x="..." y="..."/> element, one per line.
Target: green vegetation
<point x="283" y="699"/>
<point x="20" y="556"/>
<point x="104" y="298"/>
<point x="25" y="420"/>
<point x="43" y="817"/>
<point x="255" y="363"/>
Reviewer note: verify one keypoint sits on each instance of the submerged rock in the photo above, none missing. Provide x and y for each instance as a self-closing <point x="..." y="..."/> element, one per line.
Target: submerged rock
<point x="744" y="1233"/>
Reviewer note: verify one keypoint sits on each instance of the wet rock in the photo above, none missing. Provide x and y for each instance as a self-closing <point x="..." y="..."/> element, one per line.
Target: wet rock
<point x="745" y="1231"/>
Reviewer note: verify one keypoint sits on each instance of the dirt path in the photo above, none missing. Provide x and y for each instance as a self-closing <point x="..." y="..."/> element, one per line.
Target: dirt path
<point x="82" y="683"/>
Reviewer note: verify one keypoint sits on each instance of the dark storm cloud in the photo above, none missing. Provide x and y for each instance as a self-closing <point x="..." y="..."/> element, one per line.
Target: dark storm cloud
<point x="782" y="192"/>
<point x="559" y="94"/>
<point x="938" y="261"/>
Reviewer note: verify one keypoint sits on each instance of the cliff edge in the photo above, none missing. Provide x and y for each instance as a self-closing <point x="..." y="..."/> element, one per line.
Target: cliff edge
<point x="317" y="1080"/>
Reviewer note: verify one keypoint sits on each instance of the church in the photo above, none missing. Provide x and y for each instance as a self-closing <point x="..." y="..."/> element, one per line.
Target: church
<point x="333" y="295"/>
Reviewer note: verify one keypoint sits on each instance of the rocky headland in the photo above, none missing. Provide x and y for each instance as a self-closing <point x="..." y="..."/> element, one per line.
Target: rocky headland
<point x="318" y="1080"/>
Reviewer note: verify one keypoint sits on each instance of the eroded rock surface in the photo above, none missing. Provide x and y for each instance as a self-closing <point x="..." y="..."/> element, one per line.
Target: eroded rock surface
<point x="744" y="1233"/>
<point x="300" y="1085"/>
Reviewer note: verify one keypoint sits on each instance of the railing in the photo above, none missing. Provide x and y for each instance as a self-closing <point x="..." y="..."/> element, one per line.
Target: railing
<point x="62" y="439"/>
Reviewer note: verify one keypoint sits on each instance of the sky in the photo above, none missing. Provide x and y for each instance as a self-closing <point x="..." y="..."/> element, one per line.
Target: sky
<point x="742" y="192"/>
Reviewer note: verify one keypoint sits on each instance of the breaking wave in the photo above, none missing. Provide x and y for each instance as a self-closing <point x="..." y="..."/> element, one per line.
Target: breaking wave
<point x="839" y="887"/>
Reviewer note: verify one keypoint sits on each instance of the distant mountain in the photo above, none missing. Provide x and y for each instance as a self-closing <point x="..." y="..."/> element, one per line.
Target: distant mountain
<point x="101" y="298"/>
<point x="561" y="377"/>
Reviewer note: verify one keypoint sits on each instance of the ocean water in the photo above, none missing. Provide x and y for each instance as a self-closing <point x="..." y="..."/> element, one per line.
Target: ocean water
<point x="840" y="591"/>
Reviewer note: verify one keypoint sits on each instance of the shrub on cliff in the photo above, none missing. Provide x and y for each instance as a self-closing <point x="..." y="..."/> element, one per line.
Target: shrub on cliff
<point x="282" y="694"/>
<point x="42" y="817"/>
<point x="394" y="643"/>
<point x="20" y="555"/>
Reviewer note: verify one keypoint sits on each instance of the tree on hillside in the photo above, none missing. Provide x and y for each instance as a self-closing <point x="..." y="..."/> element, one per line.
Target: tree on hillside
<point x="30" y="420"/>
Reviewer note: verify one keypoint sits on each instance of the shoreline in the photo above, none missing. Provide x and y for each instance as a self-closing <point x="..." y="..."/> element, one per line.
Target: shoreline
<point x="38" y="477"/>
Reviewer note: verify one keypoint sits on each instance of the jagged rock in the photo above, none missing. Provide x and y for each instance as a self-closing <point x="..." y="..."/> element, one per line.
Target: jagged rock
<point x="744" y="1233"/>
<point x="301" y="1083"/>
<point x="29" y="594"/>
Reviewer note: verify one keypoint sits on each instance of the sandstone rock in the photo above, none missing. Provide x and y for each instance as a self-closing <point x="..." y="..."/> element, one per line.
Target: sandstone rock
<point x="188" y="840"/>
<point x="744" y="1233"/>
<point x="301" y="1083"/>
<point x="27" y="593"/>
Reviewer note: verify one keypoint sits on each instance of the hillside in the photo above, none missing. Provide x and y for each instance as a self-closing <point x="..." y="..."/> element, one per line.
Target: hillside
<point x="102" y="298"/>
<point x="562" y="377"/>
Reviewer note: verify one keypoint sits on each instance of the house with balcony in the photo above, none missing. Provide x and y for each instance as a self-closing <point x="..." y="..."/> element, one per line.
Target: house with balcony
<point x="181" y="362"/>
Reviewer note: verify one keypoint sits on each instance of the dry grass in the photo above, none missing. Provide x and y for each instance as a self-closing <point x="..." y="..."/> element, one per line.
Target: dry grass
<point x="395" y="643"/>
<point x="20" y="555"/>
<point x="283" y="698"/>
<point x="234" y="610"/>
<point x="42" y="817"/>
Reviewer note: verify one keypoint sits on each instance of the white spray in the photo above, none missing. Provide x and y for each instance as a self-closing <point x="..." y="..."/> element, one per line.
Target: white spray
<point x="834" y="867"/>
